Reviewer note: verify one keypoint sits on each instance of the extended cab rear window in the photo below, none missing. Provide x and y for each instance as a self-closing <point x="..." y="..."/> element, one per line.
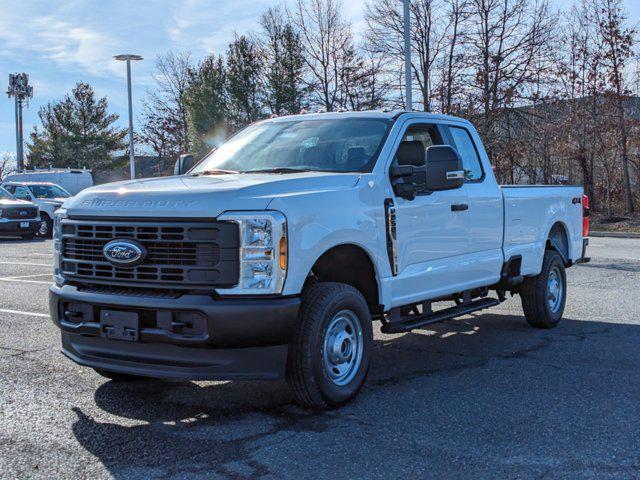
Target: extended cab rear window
<point x="467" y="150"/>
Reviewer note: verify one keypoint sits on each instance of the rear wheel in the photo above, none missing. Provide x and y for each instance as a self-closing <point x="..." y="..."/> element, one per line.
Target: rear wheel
<point x="544" y="296"/>
<point x="331" y="351"/>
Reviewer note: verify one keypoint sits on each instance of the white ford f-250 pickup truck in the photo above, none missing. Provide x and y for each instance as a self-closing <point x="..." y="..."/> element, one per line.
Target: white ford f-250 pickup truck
<point x="273" y="255"/>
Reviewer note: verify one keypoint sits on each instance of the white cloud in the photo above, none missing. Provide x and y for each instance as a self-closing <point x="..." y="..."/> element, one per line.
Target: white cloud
<point x="61" y="41"/>
<point x="204" y="26"/>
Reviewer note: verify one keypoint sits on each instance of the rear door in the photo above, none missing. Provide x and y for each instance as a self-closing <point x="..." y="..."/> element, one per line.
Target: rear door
<point x="485" y="206"/>
<point x="432" y="238"/>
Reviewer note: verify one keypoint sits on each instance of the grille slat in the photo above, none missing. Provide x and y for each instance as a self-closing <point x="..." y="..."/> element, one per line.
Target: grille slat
<point x="179" y="255"/>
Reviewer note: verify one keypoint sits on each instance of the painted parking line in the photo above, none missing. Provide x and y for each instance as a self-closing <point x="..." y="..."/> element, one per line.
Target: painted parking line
<point x="30" y="264"/>
<point x="14" y="277"/>
<point x="9" y="279"/>
<point x="20" y="312"/>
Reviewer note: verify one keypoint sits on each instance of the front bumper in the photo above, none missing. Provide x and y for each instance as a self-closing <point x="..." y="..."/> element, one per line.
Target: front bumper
<point x="13" y="228"/>
<point x="191" y="337"/>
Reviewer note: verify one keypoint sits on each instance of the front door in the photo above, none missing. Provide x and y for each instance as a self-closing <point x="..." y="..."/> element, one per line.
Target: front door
<point x="432" y="234"/>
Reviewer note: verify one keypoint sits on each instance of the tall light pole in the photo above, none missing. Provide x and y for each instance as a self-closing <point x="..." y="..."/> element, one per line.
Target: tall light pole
<point x="407" y="53"/>
<point x="20" y="89"/>
<point x="129" y="58"/>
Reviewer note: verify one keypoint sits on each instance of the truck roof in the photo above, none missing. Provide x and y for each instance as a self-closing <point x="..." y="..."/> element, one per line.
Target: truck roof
<point x="381" y="114"/>
<point x="19" y="182"/>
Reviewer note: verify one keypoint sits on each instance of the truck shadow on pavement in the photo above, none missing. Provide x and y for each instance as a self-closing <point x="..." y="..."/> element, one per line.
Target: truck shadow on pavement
<point x="485" y="396"/>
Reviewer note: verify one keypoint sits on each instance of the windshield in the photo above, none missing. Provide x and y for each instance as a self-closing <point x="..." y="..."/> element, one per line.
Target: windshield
<point x="48" y="191"/>
<point x="333" y="145"/>
<point x="4" y="195"/>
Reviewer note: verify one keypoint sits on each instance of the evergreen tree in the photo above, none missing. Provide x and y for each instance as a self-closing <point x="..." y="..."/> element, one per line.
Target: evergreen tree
<point x="207" y="104"/>
<point x="76" y="132"/>
<point x="244" y="66"/>
<point x="284" y="64"/>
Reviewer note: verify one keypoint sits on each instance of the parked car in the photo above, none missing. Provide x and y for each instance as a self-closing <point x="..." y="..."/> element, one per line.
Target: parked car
<point x="48" y="196"/>
<point x="18" y="218"/>
<point x="272" y="256"/>
<point x="73" y="180"/>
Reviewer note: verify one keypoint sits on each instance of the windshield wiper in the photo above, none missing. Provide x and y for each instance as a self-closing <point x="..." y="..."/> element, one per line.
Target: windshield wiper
<point x="215" y="171"/>
<point x="280" y="170"/>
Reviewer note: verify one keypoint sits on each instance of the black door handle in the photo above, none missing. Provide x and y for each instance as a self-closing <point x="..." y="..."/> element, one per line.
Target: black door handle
<point x="459" y="207"/>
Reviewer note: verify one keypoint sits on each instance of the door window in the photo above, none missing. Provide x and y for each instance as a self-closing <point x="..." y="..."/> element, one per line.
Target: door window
<point x="466" y="149"/>
<point x="22" y="193"/>
<point x="427" y="135"/>
<point x="423" y="133"/>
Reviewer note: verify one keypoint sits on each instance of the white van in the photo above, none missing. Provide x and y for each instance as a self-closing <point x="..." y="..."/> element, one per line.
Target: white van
<point x="73" y="180"/>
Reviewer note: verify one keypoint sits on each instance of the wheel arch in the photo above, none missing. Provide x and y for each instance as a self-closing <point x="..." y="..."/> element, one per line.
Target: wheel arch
<point x="558" y="240"/>
<point x="351" y="264"/>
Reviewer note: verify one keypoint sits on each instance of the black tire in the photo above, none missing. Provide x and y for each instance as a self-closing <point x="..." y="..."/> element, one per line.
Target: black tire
<point x="46" y="226"/>
<point x="307" y="375"/>
<point x="28" y="236"/>
<point x="117" y="376"/>
<point x="535" y="295"/>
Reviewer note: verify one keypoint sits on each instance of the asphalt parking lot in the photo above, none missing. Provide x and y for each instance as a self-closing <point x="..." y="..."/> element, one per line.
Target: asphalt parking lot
<point x="481" y="397"/>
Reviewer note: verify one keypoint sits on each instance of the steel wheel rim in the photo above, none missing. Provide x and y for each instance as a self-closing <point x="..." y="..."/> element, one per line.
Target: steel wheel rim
<point x="555" y="290"/>
<point x="44" y="228"/>
<point x="343" y="346"/>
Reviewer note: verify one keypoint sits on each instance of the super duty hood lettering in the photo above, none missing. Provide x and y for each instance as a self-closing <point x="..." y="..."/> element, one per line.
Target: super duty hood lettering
<point x="120" y="203"/>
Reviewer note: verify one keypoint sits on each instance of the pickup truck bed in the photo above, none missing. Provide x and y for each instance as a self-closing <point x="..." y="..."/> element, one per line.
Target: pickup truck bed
<point x="530" y="212"/>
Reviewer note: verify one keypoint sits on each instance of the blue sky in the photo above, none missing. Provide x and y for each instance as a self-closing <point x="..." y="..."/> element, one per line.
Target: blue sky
<point x="62" y="42"/>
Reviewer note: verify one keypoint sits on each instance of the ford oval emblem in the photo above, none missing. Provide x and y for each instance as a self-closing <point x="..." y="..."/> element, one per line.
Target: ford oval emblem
<point x="124" y="253"/>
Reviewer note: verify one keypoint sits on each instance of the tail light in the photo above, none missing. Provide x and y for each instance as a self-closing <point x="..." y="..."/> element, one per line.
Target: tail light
<point x="585" y="216"/>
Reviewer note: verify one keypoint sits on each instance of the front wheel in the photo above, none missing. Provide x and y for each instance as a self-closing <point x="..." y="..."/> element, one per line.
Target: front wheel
<point x="46" y="227"/>
<point x="544" y="296"/>
<point x="331" y="351"/>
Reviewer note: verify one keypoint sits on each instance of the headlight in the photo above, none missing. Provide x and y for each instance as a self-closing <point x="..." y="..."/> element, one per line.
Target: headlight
<point x="59" y="215"/>
<point x="263" y="252"/>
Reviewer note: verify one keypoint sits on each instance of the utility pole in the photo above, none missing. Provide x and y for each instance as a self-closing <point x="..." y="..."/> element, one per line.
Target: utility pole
<point x="407" y="53"/>
<point x="128" y="58"/>
<point x="21" y="91"/>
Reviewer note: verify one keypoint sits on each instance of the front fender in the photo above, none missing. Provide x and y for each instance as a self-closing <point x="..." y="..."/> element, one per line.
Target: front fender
<point x="319" y="221"/>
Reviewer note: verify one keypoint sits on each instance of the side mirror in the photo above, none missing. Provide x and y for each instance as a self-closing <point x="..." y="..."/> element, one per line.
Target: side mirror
<point x="183" y="164"/>
<point x="444" y="168"/>
<point x="401" y="171"/>
<point x="407" y="175"/>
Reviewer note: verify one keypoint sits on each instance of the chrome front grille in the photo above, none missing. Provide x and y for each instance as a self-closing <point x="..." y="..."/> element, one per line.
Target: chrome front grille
<point x="179" y="254"/>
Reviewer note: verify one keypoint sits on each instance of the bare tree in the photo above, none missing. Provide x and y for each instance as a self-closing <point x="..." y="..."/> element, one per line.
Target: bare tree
<point x="616" y="40"/>
<point x="507" y="38"/>
<point x="7" y="164"/>
<point x="386" y="29"/>
<point x="326" y="39"/>
<point x="169" y="99"/>
<point x="454" y="61"/>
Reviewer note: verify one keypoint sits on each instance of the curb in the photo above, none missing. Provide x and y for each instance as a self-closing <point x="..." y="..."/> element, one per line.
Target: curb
<point x="615" y="234"/>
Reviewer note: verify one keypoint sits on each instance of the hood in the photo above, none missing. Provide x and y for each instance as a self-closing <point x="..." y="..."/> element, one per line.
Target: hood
<point x="6" y="202"/>
<point x="53" y="201"/>
<point x="202" y="196"/>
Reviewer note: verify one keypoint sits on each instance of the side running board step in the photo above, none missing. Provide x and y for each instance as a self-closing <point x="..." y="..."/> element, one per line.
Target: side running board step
<point x="419" y="321"/>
